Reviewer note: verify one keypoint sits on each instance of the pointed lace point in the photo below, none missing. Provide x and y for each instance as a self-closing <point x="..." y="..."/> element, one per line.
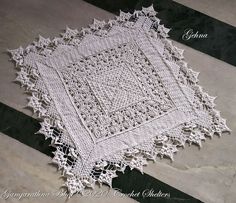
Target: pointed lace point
<point x="166" y="30"/>
<point x="149" y="10"/>
<point x="121" y="13"/>
<point x="41" y="38"/>
<point x="95" y="21"/>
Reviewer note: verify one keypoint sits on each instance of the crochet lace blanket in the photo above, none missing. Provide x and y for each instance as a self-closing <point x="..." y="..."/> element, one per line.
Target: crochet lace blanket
<point x="114" y="94"/>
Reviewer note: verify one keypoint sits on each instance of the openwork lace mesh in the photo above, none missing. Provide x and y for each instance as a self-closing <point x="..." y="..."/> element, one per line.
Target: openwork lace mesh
<point x="114" y="94"/>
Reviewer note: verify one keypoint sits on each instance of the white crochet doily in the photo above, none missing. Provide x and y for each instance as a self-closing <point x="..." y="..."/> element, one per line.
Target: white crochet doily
<point x="114" y="94"/>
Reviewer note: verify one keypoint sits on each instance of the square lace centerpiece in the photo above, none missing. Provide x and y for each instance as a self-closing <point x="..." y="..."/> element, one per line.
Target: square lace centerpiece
<point x="113" y="95"/>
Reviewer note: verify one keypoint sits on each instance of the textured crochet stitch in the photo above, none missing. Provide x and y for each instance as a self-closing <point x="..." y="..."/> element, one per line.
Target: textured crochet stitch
<point x="114" y="94"/>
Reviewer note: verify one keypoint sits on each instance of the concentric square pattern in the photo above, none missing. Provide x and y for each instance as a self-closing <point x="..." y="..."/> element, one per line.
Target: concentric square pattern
<point x="117" y="90"/>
